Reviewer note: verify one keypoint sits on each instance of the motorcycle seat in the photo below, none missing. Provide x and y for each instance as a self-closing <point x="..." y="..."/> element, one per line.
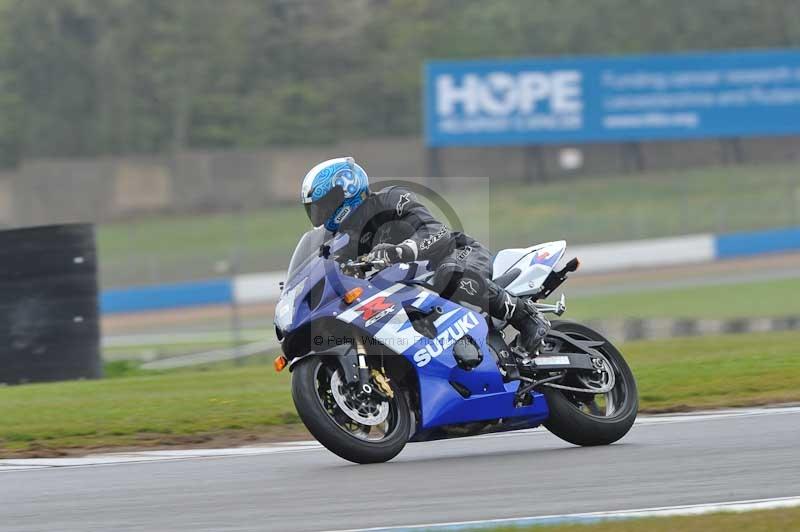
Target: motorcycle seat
<point x="506" y="279"/>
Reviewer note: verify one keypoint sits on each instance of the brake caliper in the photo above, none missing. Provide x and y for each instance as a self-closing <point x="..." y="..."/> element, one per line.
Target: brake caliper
<point x="382" y="382"/>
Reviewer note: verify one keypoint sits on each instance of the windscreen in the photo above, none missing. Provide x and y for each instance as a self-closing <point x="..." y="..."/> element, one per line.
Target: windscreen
<point x="307" y="248"/>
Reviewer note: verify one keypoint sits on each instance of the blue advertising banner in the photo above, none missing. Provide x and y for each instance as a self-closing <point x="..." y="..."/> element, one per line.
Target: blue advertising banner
<point x="607" y="99"/>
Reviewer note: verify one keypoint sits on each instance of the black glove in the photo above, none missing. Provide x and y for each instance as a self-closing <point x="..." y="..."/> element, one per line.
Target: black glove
<point x="391" y="253"/>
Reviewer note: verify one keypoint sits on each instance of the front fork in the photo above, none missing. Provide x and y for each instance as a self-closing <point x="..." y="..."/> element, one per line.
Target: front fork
<point x="363" y="369"/>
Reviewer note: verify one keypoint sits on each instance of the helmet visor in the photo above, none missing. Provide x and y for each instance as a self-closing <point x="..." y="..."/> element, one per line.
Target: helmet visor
<point x="322" y="209"/>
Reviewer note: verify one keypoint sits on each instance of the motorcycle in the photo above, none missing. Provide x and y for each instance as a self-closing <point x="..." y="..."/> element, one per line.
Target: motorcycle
<point x="378" y="359"/>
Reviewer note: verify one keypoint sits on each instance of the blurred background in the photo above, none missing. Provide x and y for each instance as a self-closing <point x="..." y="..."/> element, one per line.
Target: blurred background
<point x="660" y="139"/>
<point x="182" y="128"/>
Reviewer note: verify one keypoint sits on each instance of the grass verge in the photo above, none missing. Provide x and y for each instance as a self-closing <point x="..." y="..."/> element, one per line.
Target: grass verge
<point x="235" y="405"/>
<point x="767" y="298"/>
<point x="757" y="521"/>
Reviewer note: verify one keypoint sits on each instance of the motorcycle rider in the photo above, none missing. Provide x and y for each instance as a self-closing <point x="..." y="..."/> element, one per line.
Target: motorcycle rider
<point x="391" y="225"/>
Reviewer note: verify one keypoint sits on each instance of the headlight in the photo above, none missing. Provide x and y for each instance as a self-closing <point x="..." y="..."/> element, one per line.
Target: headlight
<point x="285" y="307"/>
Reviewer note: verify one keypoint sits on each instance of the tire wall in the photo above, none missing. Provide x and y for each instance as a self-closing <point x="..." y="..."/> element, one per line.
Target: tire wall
<point x="49" y="320"/>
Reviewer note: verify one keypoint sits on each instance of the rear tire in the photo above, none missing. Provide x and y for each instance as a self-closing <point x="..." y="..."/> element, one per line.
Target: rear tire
<point x="333" y="436"/>
<point x="569" y="422"/>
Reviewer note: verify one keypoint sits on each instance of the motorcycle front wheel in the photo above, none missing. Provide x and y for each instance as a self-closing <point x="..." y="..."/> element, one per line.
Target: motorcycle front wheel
<point x="593" y="419"/>
<point x="360" y="429"/>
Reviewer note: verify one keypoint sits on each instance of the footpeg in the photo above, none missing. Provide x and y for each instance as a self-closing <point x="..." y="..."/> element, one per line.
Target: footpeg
<point x="558" y="309"/>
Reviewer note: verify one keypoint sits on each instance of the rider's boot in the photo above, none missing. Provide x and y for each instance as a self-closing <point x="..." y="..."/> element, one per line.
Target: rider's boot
<point x="531" y="324"/>
<point x="524" y="317"/>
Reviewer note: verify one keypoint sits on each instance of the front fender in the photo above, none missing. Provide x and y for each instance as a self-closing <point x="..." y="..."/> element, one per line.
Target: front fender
<point x="344" y="354"/>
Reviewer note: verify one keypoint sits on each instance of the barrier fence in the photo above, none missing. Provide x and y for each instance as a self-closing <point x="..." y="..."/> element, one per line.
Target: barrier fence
<point x="595" y="258"/>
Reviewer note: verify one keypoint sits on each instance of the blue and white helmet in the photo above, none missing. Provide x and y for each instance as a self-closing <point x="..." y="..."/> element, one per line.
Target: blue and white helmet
<point x="332" y="190"/>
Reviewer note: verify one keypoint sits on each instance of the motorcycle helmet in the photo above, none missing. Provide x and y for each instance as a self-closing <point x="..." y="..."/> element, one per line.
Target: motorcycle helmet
<point x="332" y="190"/>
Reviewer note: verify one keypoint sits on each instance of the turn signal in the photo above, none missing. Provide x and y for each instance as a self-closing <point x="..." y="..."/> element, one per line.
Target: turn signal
<point x="353" y="294"/>
<point x="279" y="363"/>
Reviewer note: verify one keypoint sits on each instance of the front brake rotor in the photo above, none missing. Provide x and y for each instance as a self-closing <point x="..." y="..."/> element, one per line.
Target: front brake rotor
<point x="365" y="412"/>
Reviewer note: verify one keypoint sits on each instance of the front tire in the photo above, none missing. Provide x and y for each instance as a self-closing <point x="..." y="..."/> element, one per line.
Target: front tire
<point x="577" y="418"/>
<point x="331" y="426"/>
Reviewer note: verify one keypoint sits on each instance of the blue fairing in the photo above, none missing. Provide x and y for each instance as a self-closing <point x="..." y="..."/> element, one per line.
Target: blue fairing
<point x="381" y="312"/>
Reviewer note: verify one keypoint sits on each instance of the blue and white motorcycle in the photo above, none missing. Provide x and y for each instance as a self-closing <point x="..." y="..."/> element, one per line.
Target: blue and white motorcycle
<point x="378" y="359"/>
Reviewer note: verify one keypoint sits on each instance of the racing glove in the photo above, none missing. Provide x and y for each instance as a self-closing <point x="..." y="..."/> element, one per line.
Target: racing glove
<point x="393" y="253"/>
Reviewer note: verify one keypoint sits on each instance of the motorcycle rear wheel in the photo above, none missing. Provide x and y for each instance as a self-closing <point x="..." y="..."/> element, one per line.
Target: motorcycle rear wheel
<point x="337" y="430"/>
<point x="586" y="419"/>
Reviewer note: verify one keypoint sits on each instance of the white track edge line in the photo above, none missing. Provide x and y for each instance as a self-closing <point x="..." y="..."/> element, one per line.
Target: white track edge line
<point x="30" y="464"/>
<point x="664" y="511"/>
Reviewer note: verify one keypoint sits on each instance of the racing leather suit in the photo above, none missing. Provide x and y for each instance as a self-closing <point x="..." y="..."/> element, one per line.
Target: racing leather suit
<point x="462" y="266"/>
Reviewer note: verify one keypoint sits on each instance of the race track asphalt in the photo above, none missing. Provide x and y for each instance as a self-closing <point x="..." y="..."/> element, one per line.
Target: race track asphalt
<point x="663" y="461"/>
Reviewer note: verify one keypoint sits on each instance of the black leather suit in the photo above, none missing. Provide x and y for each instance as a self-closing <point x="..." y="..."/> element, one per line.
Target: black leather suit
<point x="462" y="266"/>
